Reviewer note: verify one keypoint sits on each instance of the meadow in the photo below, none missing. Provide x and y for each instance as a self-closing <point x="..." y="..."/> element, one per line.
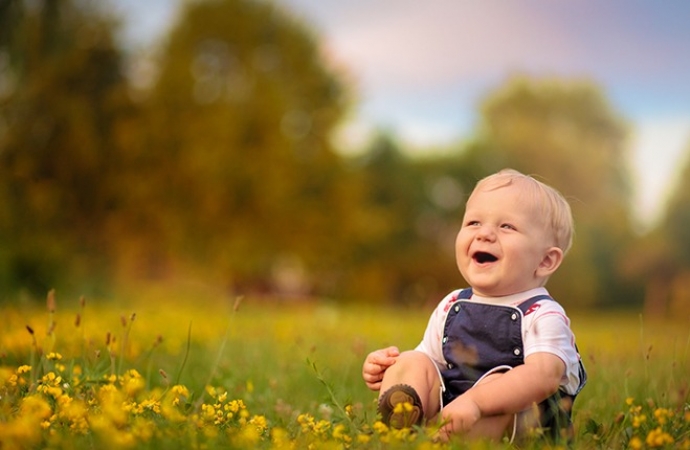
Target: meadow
<point x="184" y="370"/>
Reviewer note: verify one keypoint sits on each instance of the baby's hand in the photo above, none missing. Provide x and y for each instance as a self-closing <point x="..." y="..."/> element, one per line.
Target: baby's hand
<point x="459" y="416"/>
<point x="376" y="364"/>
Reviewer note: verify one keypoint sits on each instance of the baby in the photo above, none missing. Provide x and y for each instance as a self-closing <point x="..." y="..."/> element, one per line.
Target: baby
<point x="499" y="358"/>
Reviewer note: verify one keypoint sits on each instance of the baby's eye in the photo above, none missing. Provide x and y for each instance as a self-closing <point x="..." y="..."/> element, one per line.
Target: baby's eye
<point x="508" y="226"/>
<point x="472" y="223"/>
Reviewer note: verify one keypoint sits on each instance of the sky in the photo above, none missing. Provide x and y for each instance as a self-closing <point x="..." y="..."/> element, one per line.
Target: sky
<point x="421" y="68"/>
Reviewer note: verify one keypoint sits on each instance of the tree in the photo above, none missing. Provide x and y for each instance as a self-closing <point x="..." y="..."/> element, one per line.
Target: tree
<point x="240" y="168"/>
<point x="63" y="92"/>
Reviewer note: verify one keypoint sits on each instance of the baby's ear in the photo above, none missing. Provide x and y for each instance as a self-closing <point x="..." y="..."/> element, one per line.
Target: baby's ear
<point x="550" y="262"/>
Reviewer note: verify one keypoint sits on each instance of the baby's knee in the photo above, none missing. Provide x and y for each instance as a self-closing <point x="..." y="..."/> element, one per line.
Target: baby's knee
<point x="415" y="358"/>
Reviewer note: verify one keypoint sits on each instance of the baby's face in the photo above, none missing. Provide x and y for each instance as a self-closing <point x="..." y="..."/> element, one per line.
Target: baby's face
<point x="502" y="242"/>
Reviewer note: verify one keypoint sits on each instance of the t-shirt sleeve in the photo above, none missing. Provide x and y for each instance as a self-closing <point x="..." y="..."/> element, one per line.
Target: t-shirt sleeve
<point x="431" y="342"/>
<point x="550" y="332"/>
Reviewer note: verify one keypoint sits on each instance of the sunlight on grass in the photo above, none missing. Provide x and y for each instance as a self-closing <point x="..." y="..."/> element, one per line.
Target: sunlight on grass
<point x="162" y="371"/>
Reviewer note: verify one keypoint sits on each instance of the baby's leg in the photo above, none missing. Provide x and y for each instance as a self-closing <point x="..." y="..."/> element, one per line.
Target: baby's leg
<point x="418" y="371"/>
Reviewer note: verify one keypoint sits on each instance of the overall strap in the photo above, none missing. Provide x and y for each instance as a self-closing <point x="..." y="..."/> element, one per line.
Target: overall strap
<point x="524" y="306"/>
<point x="466" y="294"/>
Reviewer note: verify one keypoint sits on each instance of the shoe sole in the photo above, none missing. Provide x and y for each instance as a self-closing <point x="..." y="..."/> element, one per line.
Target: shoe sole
<point x="400" y="394"/>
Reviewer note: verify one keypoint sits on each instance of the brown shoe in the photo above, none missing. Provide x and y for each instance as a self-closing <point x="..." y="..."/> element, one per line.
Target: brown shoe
<point x="410" y="411"/>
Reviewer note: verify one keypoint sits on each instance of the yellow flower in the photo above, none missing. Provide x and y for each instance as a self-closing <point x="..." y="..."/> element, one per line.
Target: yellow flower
<point x="340" y="433"/>
<point x="23" y="369"/>
<point x="180" y="390"/>
<point x="35" y="406"/>
<point x="363" y="438"/>
<point x="639" y="420"/>
<point x="380" y="427"/>
<point x="281" y="439"/>
<point x="259" y="422"/>
<point x="635" y="443"/>
<point x="662" y="415"/>
<point x="53" y="356"/>
<point x="658" y="438"/>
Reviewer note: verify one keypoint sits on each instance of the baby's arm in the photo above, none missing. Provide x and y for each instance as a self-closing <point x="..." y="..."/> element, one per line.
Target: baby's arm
<point x="507" y="393"/>
<point x="376" y="364"/>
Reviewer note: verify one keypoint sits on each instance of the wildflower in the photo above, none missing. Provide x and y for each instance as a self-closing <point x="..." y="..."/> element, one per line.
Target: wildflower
<point x="259" y="422"/>
<point x="340" y="433"/>
<point x="658" y="438"/>
<point x="53" y="356"/>
<point x="132" y="383"/>
<point x="280" y="439"/>
<point x="638" y="420"/>
<point x="249" y="437"/>
<point x="662" y="415"/>
<point x="363" y="438"/>
<point x="75" y="413"/>
<point x="151" y="405"/>
<point x="23" y="369"/>
<point x="33" y="406"/>
<point x="179" y="391"/>
<point x="235" y="406"/>
<point x="635" y="443"/>
<point x="380" y="427"/>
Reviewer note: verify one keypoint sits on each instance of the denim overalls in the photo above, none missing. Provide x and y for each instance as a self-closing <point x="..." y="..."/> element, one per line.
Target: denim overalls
<point x="479" y="337"/>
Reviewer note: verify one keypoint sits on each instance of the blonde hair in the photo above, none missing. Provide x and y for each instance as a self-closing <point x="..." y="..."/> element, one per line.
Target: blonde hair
<point x="554" y="207"/>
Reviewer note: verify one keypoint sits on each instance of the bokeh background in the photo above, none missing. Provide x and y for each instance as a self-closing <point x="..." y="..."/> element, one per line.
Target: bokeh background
<point x="314" y="149"/>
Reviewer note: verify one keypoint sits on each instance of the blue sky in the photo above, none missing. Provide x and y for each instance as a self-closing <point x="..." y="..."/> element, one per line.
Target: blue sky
<point x="420" y="68"/>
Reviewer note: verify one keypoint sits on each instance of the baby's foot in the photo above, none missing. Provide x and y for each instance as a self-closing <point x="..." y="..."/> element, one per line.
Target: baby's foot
<point x="401" y="407"/>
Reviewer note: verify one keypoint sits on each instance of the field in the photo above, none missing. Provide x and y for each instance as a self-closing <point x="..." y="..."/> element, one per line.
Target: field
<point x="157" y="370"/>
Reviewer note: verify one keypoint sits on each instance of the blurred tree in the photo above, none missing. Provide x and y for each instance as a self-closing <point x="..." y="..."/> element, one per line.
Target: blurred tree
<point x="61" y="93"/>
<point x="567" y="134"/>
<point x="386" y="241"/>
<point x="245" y="182"/>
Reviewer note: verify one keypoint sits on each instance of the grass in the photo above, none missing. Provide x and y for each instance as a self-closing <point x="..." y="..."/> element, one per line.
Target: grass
<point x="162" y="371"/>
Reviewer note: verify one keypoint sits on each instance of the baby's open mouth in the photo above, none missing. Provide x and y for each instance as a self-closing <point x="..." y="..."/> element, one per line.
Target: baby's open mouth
<point x="484" y="257"/>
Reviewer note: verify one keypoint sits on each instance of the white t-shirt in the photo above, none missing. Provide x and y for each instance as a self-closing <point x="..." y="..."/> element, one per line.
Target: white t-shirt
<point x="545" y="328"/>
